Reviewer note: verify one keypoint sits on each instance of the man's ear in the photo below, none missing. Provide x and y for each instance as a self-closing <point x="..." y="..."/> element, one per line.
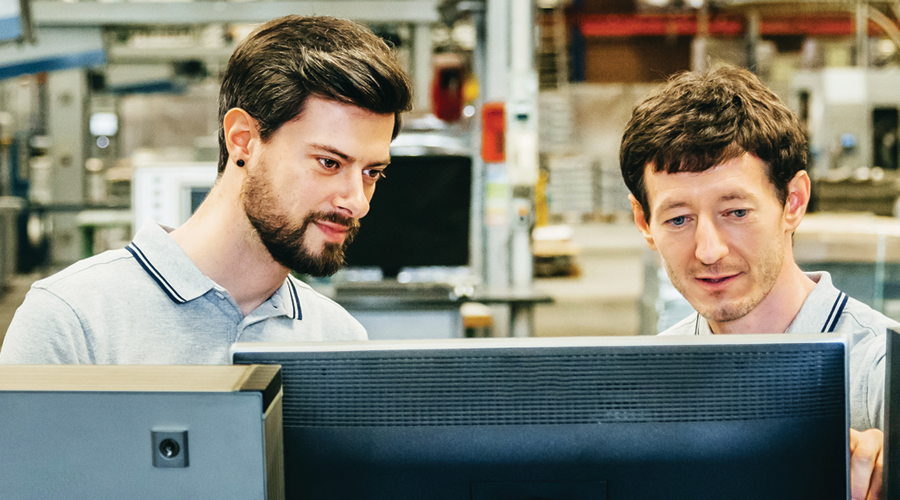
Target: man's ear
<point x="641" y="222"/>
<point x="798" y="193"/>
<point x="240" y="129"/>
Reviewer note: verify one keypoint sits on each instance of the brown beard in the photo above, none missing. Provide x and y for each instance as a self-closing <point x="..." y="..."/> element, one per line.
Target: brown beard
<point x="285" y="241"/>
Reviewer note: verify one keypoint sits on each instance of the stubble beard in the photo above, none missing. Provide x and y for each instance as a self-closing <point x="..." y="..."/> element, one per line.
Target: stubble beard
<point x="286" y="242"/>
<point x="767" y="273"/>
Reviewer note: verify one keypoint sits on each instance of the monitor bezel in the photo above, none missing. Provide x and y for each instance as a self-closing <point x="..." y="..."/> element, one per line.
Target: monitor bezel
<point x="534" y="342"/>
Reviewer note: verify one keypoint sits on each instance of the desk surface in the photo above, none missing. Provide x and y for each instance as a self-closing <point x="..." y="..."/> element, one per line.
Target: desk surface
<point x="847" y="237"/>
<point x="136" y="378"/>
<point x="418" y="295"/>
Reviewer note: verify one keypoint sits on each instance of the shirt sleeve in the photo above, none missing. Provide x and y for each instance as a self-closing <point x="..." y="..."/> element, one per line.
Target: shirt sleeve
<point x="45" y="330"/>
<point x="876" y="392"/>
<point x="867" y="365"/>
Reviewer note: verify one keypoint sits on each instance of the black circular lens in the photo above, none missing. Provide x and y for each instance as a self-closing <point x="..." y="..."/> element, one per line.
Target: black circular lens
<point x="169" y="448"/>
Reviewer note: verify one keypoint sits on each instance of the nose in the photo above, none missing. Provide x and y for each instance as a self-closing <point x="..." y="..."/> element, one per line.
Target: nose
<point x="711" y="247"/>
<point x="353" y="197"/>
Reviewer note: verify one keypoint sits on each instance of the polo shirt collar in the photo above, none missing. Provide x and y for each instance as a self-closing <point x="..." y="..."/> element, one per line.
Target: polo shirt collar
<point x="177" y="275"/>
<point x="291" y="299"/>
<point x="822" y="308"/>
<point x="701" y="326"/>
<point x="284" y="302"/>
<point x="165" y="261"/>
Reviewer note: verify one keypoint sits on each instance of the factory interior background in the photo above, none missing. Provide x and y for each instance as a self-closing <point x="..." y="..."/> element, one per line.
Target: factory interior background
<point x="108" y="117"/>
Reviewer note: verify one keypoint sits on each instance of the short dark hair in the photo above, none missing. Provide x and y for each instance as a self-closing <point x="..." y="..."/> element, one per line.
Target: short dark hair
<point x="697" y="121"/>
<point x="276" y="68"/>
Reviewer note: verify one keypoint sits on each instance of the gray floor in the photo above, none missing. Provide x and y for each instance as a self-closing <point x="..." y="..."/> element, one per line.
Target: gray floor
<point x="602" y="300"/>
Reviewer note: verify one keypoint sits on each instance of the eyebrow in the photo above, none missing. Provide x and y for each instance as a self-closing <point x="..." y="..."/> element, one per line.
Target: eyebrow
<point x="669" y="205"/>
<point x="737" y="195"/>
<point x="734" y="195"/>
<point x="347" y="158"/>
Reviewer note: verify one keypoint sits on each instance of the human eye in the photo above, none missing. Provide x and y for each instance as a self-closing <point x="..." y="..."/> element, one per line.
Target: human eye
<point x="374" y="173"/>
<point x="740" y="213"/>
<point x="677" y="221"/>
<point x="329" y="163"/>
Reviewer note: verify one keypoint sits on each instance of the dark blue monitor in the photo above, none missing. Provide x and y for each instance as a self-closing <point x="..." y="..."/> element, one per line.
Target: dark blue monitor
<point x="619" y="418"/>
<point x="418" y="217"/>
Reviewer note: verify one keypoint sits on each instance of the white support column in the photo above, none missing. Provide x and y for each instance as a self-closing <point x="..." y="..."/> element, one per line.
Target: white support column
<point x="862" y="34"/>
<point x="421" y="66"/>
<point x="498" y="192"/>
<point x="477" y="231"/>
<point x="522" y="140"/>
<point x="497" y="24"/>
<point x="66" y="127"/>
<point x="751" y="39"/>
<point x="700" y="43"/>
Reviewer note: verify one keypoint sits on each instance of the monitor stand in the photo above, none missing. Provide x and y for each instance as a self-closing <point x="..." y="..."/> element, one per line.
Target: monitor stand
<point x="398" y="311"/>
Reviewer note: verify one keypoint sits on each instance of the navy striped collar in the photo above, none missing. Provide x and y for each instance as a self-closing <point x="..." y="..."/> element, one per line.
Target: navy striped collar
<point x="177" y="275"/>
<point x="154" y="273"/>
<point x="291" y="289"/>
<point x="168" y="265"/>
<point x="823" y="307"/>
<point x="835" y="314"/>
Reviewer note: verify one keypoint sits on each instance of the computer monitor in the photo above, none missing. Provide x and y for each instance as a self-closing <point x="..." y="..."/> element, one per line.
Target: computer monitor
<point x="891" y="472"/>
<point x="169" y="192"/>
<point x="419" y="216"/>
<point x="618" y="418"/>
<point x="140" y="431"/>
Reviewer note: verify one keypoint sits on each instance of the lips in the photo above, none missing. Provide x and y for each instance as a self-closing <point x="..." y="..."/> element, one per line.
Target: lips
<point x="715" y="280"/>
<point x="333" y="232"/>
<point x="718" y="280"/>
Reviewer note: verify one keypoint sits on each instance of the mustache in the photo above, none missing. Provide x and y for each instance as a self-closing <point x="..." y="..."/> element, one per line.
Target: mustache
<point x="719" y="268"/>
<point x="349" y="222"/>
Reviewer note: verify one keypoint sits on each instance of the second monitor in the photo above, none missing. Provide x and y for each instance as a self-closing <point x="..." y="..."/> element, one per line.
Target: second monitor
<point x="419" y="216"/>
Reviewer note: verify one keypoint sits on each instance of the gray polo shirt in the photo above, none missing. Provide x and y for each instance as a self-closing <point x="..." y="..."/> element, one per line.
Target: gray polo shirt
<point x="827" y="309"/>
<point x="149" y="304"/>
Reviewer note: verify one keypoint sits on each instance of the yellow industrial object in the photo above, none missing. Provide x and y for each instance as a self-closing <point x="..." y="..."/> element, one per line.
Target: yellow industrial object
<point x="541" y="211"/>
<point x="471" y="89"/>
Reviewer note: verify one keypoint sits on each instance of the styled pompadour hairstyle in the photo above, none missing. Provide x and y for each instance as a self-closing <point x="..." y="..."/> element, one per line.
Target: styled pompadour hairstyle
<point x="282" y="63"/>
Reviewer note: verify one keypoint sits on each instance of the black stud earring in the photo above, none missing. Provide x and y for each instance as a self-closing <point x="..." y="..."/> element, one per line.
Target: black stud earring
<point x="240" y="163"/>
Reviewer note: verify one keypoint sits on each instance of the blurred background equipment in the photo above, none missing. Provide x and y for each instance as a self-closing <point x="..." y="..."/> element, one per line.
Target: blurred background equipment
<point x="534" y="95"/>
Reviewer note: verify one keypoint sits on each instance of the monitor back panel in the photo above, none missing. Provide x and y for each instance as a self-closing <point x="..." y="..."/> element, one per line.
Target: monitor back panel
<point x="579" y="423"/>
<point x="100" y="432"/>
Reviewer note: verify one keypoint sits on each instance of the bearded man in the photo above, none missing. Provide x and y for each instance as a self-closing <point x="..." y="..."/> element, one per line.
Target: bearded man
<point x="308" y="108"/>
